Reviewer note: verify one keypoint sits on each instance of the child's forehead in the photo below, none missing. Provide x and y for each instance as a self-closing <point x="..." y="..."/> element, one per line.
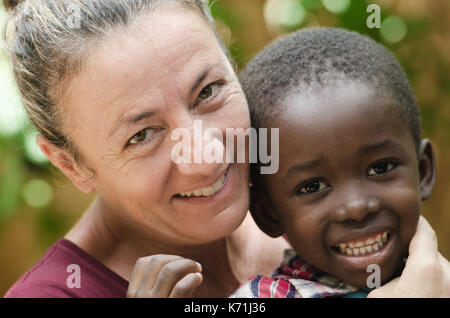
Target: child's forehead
<point x="352" y="113"/>
<point x="336" y="100"/>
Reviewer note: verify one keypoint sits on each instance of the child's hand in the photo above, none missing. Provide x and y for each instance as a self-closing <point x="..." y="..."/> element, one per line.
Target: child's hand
<point x="162" y="276"/>
<point x="426" y="273"/>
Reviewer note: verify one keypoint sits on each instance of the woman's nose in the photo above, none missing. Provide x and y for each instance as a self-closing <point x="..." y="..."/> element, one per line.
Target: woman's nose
<point x="356" y="208"/>
<point x="201" y="154"/>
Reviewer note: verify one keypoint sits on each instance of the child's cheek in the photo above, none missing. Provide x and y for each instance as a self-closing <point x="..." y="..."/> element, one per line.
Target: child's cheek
<point x="405" y="202"/>
<point x="306" y="237"/>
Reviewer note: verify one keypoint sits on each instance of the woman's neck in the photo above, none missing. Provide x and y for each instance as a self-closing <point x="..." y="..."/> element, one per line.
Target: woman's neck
<point x="226" y="263"/>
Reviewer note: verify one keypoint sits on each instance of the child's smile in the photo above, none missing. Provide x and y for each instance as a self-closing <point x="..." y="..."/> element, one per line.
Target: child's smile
<point x="347" y="193"/>
<point x="370" y="246"/>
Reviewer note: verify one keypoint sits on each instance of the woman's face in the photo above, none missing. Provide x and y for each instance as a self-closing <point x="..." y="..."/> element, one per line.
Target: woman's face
<point x="121" y="109"/>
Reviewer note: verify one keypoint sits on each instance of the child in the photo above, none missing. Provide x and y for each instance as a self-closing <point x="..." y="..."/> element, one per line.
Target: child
<point x="353" y="168"/>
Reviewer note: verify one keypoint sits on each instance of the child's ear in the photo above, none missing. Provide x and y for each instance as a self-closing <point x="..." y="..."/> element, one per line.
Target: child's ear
<point x="427" y="169"/>
<point x="264" y="214"/>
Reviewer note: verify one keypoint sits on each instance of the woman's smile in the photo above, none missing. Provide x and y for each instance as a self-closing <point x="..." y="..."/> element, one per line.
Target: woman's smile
<point x="223" y="192"/>
<point x="206" y="191"/>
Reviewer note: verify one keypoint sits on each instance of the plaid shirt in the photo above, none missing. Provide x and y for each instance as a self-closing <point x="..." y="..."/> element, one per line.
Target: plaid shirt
<point x="295" y="278"/>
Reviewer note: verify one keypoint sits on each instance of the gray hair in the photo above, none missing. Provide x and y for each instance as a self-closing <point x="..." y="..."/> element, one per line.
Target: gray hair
<point x="50" y="39"/>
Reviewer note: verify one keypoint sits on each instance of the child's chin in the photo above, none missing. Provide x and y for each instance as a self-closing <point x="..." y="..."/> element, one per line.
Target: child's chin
<point x="371" y="279"/>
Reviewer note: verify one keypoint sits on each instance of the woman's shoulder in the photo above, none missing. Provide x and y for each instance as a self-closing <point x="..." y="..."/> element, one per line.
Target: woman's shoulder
<point x="67" y="271"/>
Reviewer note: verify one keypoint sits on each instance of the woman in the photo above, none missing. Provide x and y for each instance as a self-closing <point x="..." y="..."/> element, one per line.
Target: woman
<point x="106" y="83"/>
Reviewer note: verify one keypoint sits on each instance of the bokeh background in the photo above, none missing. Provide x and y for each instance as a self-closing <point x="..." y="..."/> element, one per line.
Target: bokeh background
<point x="38" y="204"/>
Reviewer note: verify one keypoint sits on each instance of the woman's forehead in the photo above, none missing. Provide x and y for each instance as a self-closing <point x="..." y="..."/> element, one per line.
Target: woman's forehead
<point x="153" y="59"/>
<point x="166" y="40"/>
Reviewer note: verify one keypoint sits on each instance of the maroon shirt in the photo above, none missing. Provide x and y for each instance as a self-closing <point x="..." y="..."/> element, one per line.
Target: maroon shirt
<point x="53" y="276"/>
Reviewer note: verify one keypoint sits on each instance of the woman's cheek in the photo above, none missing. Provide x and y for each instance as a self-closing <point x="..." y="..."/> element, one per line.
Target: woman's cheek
<point x="235" y="110"/>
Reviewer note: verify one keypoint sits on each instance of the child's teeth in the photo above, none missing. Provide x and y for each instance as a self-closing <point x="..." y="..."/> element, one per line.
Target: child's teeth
<point x="370" y="242"/>
<point x="363" y="247"/>
<point x="206" y="191"/>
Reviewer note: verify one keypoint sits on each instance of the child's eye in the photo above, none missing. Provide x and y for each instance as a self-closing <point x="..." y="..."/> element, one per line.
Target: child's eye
<point x="313" y="187"/>
<point x="381" y="168"/>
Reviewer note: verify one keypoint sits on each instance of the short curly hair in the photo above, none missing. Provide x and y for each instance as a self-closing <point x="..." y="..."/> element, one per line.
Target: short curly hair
<point x="320" y="56"/>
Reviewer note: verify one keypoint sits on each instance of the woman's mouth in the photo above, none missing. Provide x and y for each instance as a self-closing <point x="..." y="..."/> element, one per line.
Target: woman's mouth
<point x="207" y="191"/>
<point x="363" y="246"/>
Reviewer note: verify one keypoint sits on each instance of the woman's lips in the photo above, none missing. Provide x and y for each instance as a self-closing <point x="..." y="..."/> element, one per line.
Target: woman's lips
<point x="207" y="193"/>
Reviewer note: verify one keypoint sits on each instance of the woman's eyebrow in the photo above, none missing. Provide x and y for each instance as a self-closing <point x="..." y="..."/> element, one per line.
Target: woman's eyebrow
<point x="126" y="121"/>
<point x="201" y="77"/>
<point x="132" y="119"/>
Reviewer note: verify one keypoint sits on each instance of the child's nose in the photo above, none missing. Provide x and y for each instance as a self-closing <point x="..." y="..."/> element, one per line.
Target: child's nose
<point x="356" y="209"/>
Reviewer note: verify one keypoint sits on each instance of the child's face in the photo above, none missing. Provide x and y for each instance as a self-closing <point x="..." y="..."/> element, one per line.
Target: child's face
<point x="347" y="192"/>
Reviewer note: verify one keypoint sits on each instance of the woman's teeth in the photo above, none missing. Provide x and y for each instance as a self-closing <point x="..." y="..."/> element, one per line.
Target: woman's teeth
<point x="208" y="191"/>
<point x="363" y="247"/>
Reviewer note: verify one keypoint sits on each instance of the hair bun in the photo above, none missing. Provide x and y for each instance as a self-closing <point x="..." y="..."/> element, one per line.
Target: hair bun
<point x="11" y="4"/>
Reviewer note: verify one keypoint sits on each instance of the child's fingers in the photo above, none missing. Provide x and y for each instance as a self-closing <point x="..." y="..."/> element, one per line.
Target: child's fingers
<point x="145" y="272"/>
<point x="186" y="286"/>
<point x="171" y="273"/>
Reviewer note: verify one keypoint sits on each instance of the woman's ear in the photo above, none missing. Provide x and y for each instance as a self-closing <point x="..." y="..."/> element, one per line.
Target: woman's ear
<point x="264" y="214"/>
<point x="80" y="176"/>
<point x="427" y="169"/>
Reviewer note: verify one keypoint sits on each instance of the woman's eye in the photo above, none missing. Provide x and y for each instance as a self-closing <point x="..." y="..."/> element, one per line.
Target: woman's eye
<point x="209" y="91"/>
<point x="381" y="168"/>
<point x="141" y="137"/>
<point x="206" y="92"/>
<point x="313" y="187"/>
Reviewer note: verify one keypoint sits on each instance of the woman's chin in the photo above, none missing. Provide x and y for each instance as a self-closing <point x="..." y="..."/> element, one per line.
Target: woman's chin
<point x="222" y="224"/>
